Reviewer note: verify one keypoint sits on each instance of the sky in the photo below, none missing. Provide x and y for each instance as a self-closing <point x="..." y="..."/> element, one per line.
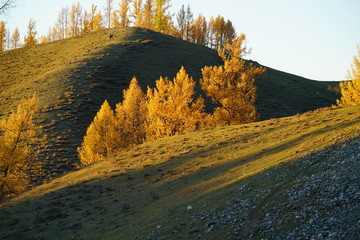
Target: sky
<point x="315" y="39"/>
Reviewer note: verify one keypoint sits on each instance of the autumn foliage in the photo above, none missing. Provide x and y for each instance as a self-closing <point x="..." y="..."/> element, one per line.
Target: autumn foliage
<point x="20" y="144"/>
<point x="232" y="85"/>
<point x="150" y="14"/>
<point x="131" y="115"/>
<point x="102" y="136"/>
<point x="171" y="107"/>
<point x="350" y="90"/>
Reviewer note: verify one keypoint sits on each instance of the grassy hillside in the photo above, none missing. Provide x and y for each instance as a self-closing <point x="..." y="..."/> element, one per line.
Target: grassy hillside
<point x="74" y="76"/>
<point x="221" y="183"/>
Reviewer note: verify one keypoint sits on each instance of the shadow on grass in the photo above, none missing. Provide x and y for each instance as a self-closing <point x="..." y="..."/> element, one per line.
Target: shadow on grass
<point x="115" y="204"/>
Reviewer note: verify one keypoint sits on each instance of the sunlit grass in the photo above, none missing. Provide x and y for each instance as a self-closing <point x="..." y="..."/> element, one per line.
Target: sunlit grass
<point x="152" y="184"/>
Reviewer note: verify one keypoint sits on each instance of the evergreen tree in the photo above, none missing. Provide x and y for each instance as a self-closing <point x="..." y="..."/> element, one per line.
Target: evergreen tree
<point x="102" y="137"/>
<point x="171" y="108"/>
<point x="232" y="86"/>
<point x="20" y="144"/>
<point x="350" y="90"/>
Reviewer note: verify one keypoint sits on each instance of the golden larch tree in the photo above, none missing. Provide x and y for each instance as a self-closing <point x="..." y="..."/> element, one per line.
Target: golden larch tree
<point x="102" y="136"/>
<point x="232" y="85"/>
<point x="75" y="20"/>
<point x="93" y="20"/>
<point x="15" y="39"/>
<point x="30" y="39"/>
<point x="147" y="21"/>
<point x="44" y="39"/>
<point x="2" y="36"/>
<point x="137" y="13"/>
<point x="161" y="16"/>
<point x="131" y="115"/>
<point x="20" y="144"/>
<point x="171" y="107"/>
<point x="124" y="20"/>
<point x="350" y="90"/>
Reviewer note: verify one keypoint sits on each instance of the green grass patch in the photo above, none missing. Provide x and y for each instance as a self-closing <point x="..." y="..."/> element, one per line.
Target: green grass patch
<point x="145" y="191"/>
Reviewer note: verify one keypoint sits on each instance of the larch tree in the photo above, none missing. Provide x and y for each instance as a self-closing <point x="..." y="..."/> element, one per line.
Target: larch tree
<point x="30" y="39"/>
<point x="171" y="107"/>
<point x="2" y="36"/>
<point x="350" y="90"/>
<point x="184" y="18"/>
<point x="181" y="21"/>
<point x="15" y="39"/>
<point x="44" y="39"/>
<point x="102" y="137"/>
<point x="54" y="34"/>
<point x="124" y="20"/>
<point x="93" y="20"/>
<point x="147" y="21"/>
<point x="161" y="16"/>
<point x="221" y="32"/>
<point x="131" y="115"/>
<point x="75" y="21"/>
<point x="115" y="19"/>
<point x="20" y="143"/>
<point x="62" y="23"/>
<point x="108" y="10"/>
<point x="199" y="31"/>
<point x="137" y="13"/>
<point x="232" y="85"/>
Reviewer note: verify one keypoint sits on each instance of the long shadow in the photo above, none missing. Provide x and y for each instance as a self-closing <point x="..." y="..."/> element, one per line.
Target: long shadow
<point x="96" y="205"/>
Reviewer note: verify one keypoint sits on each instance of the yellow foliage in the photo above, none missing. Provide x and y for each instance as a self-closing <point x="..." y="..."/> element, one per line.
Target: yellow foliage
<point x="19" y="147"/>
<point x="171" y="108"/>
<point x="232" y="86"/>
<point x="123" y="13"/>
<point x="30" y="39"/>
<point x="102" y="137"/>
<point x="350" y="90"/>
<point x="2" y="36"/>
<point x="131" y="115"/>
<point x="93" y="21"/>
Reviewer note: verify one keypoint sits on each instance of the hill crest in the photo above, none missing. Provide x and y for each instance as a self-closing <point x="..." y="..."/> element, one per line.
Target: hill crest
<point x="73" y="77"/>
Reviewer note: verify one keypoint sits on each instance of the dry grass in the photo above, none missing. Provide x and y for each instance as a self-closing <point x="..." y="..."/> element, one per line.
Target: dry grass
<point x="152" y="184"/>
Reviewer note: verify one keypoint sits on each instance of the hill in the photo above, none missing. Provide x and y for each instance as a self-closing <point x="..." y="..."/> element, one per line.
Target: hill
<point x="294" y="177"/>
<point x="74" y="76"/>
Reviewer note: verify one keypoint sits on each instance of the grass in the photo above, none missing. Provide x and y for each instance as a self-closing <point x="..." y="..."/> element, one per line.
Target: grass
<point x="74" y="76"/>
<point x="145" y="191"/>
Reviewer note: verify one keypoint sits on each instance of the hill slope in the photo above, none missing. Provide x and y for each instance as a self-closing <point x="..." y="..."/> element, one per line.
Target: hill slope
<point x="283" y="178"/>
<point x="74" y="76"/>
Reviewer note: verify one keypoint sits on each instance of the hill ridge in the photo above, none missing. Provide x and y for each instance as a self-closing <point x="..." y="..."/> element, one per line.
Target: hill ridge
<point x="74" y="76"/>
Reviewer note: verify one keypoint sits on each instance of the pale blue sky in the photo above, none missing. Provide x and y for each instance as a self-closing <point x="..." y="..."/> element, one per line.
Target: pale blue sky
<point x="311" y="38"/>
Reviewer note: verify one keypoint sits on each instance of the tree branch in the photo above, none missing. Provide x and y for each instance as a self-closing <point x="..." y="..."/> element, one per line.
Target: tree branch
<point x="6" y="5"/>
